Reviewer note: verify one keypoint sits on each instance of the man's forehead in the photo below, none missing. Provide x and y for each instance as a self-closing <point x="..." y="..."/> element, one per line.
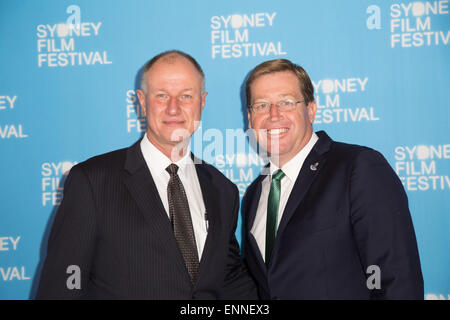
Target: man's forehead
<point x="268" y="77"/>
<point x="276" y="83"/>
<point x="173" y="65"/>
<point x="174" y="79"/>
<point x="171" y="59"/>
<point x="161" y="88"/>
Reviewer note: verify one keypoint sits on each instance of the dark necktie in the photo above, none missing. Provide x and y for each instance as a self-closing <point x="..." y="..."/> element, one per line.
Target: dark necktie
<point x="272" y="212"/>
<point x="182" y="222"/>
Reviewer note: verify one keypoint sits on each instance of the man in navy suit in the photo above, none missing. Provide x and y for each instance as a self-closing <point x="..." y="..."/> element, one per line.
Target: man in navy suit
<point x="326" y="220"/>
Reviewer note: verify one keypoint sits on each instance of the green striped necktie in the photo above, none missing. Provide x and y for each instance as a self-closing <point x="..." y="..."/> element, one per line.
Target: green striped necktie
<point x="272" y="212"/>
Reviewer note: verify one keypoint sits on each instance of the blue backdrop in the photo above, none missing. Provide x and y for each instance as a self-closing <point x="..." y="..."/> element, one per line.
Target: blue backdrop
<point x="69" y="71"/>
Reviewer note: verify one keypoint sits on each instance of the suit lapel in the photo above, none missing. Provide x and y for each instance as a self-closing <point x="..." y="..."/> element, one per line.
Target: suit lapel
<point x="210" y="195"/>
<point x="143" y="190"/>
<point x="311" y="168"/>
<point x="301" y="187"/>
<point x="252" y="198"/>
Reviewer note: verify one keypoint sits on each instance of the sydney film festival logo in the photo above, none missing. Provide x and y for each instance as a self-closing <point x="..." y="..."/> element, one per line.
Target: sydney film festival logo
<point x="423" y="167"/>
<point x="57" y="44"/>
<point x="8" y="104"/>
<point x="53" y="176"/>
<point x="11" y="244"/>
<point x="414" y="24"/>
<point x="234" y="36"/>
<point x="331" y="108"/>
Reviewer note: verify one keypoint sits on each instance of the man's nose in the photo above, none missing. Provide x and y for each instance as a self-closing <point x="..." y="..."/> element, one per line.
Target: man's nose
<point x="274" y="113"/>
<point x="173" y="107"/>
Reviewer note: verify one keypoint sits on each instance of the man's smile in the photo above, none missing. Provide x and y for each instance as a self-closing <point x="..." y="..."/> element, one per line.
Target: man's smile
<point x="276" y="131"/>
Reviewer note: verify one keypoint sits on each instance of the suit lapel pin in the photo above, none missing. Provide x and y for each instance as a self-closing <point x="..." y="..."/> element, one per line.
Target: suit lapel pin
<point x="313" y="167"/>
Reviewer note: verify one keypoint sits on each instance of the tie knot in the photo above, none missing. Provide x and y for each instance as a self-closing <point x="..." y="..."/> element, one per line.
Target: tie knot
<point x="278" y="175"/>
<point x="172" y="169"/>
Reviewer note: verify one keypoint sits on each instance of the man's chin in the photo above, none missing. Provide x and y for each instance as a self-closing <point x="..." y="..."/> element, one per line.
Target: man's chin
<point x="275" y="150"/>
<point x="178" y="142"/>
<point x="179" y="135"/>
<point x="277" y="153"/>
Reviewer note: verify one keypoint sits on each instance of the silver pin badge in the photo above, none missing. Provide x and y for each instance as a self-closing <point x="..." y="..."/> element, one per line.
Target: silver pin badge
<point x="313" y="167"/>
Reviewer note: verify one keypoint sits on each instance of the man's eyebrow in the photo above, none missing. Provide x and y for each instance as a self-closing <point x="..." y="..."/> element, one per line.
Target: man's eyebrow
<point x="285" y="94"/>
<point x="282" y="95"/>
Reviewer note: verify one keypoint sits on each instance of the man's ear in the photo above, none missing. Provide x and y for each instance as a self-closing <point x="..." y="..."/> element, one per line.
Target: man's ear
<point x="249" y="117"/>
<point x="204" y="94"/>
<point x="312" y="109"/>
<point x="141" y="97"/>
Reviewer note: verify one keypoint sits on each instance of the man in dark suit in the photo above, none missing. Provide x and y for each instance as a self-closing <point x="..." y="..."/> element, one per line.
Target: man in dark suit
<point x="327" y="220"/>
<point x="150" y="221"/>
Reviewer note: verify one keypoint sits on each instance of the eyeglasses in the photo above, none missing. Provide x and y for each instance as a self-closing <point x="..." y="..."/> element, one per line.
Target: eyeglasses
<point x="283" y="105"/>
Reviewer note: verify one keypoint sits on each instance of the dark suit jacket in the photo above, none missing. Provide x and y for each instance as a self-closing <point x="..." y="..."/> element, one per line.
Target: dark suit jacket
<point x="112" y="224"/>
<point x="348" y="214"/>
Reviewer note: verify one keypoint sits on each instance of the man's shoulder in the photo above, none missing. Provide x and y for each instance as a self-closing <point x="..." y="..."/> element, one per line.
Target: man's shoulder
<point x="348" y="149"/>
<point x="355" y="153"/>
<point x="339" y="152"/>
<point x="343" y="151"/>
<point x="106" y="162"/>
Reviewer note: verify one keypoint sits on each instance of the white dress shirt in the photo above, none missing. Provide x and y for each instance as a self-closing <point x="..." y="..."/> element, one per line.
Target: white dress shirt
<point x="291" y="170"/>
<point x="157" y="162"/>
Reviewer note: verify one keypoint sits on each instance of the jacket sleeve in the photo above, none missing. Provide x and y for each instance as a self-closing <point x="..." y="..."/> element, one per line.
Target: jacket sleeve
<point x="65" y="274"/>
<point x="383" y="229"/>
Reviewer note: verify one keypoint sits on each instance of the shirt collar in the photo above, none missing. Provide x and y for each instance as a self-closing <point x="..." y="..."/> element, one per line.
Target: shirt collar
<point x="158" y="161"/>
<point x="292" y="168"/>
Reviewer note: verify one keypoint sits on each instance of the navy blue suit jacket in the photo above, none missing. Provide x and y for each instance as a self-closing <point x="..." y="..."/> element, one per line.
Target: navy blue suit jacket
<point x="348" y="214"/>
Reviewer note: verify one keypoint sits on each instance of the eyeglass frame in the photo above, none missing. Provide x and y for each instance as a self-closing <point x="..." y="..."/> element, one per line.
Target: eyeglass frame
<point x="277" y="104"/>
